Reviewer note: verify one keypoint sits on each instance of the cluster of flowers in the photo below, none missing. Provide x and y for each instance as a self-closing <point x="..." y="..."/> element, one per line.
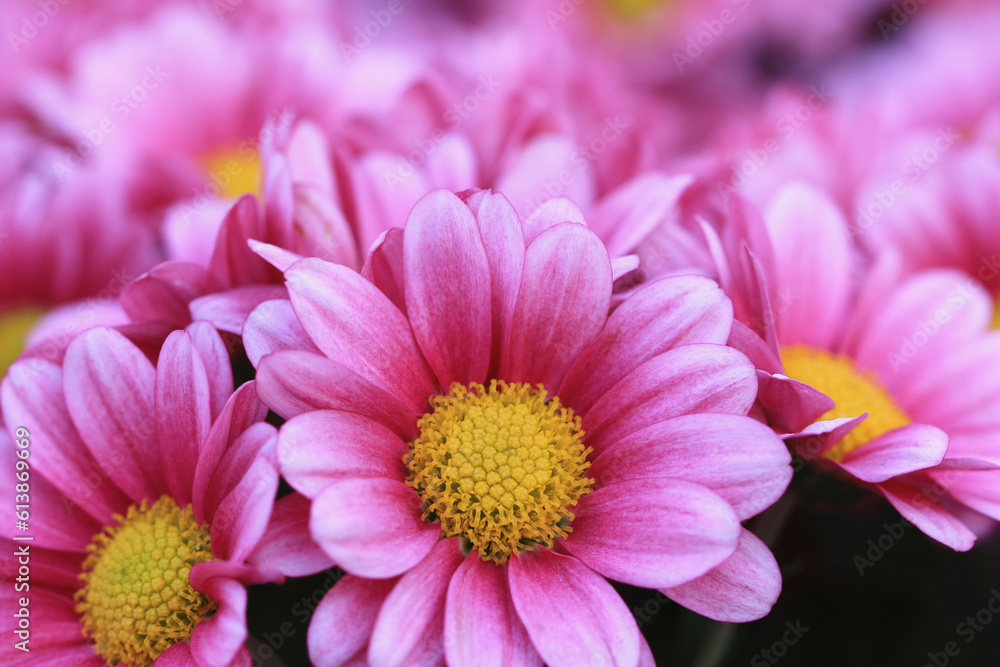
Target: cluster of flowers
<point x="484" y="305"/>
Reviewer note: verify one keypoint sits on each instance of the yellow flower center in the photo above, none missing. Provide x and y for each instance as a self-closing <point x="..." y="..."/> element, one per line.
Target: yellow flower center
<point x="996" y="315"/>
<point x="136" y="601"/>
<point x="235" y="172"/>
<point x="500" y="467"/>
<point x="14" y="328"/>
<point x="855" y="391"/>
<point x="631" y="10"/>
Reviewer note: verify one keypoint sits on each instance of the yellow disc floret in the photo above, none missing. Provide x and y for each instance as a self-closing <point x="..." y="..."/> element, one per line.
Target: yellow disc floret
<point x="855" y="391"/>
<point x="136" y="601"/>
<point x="500" y="467"/>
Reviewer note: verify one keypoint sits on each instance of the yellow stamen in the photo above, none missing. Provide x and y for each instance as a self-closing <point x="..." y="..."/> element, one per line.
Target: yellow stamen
<point x="136" y="601"/>
<point x="14" y="328"/>
<point x="235" y="172"/>
<point x="500" y="467"/>
<point x="854" y="390"/>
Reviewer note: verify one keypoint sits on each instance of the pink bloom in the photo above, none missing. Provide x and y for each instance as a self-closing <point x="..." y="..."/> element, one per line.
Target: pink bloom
<point x="118" y="447"/>
<point x="470" y="311"/>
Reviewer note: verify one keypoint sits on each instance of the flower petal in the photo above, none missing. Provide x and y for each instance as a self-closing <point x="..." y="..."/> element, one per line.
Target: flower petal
<point x="687" y="379"/>
<point x="286" y="545"/>
<point x="274" y="326"/>
<point x="563" y="304"/>
<point x="372" y="527"/>
<point x="447" y="284"/>
<point x="342" y="624"/>
<point x="384" y="266"/>
<point x="918" y="498"/>
<point x="736" y="457"/>
<point x="228" y="310"/>
<point x="410" y="626"/>
<point x="481" y="626"/>
<point x="573" y="616"/>
<point x="790" y="405"/>
<point x="743" y="588"/>
<point x="217" y="640"/>
<point x="653" y="533"/>
<point x="902" y="450"/>
<point x="664" y="315"/>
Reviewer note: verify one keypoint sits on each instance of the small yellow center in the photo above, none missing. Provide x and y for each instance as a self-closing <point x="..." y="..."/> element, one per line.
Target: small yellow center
<point x="14" y="328"/>
<point x="632" y="10"/>
<point x="235" y="172"/>
<point x="136" y="601"/>
<point x="500" y="467"/>
<point x="855" y="391"/>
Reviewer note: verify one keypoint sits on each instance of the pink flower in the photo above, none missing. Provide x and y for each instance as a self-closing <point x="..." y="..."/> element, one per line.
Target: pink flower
<point x="120" y="451"/>
<point x="483" y="444"/>
<point x="908" y="362"/>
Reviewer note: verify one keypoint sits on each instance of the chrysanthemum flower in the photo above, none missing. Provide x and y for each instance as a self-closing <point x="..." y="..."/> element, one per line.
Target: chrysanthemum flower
<point x="149" y="491"/>
<point x="483" y="444"/>
<point x="909" y="363"/>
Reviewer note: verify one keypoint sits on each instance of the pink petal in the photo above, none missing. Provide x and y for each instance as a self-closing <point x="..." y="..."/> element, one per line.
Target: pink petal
<point x="357" y="326"/>
<point x="481" y="626"/>
<point x="278" y="257"/>
<point x="814" y="440"/>
<point x="286" y="545"/>
<point x="653" y="533"/>
<point x="410" y="626"/>
<point x="384" y="266"/>
<point x="563" y="304"/>
<point x="744" y="339"/>
<point x="217" y="640"/>
<point x="549" y="214"/>
<point x="573" y="616"/>
<point x="447" y="282"/>
<point x="902" y="450"/>
<point x="77" y="656"/>
<point x="743" y="588"/>
<point x="178" y="655"/>
<point x="342" y="623"/>
<point x="627" y="215"/>
<point x="812" y="263"/>
<point x="790" y="405"/>
<point x="233" y="263"/>
<point x="916" y="498"/>
<point x="229" y="310"/>
<point x="293" y="382"/>
<point x="503" y="241"/>
<point x="163" y="294"/>
<point x="736" y="457"/>
<point x="218" y="366"/>
<point x="271" y="327"/>
<point x="687" y="379"/>
<point x="372" y="527"/>
<point x="109" y="394"/>
<point x="324" y="445"/>
<point x="666" y="314"/>
<point x="977" y="489"/>
<point x="183" y="412"/>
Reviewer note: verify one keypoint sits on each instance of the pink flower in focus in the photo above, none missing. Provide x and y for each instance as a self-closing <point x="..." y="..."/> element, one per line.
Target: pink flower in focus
<point x="120" y="451"/>
<point x="483" y="444"/>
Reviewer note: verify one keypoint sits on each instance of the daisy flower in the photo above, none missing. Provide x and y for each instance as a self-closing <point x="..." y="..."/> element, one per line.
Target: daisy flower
<point x="150" y="490"/>
<point x="483" y="444"/>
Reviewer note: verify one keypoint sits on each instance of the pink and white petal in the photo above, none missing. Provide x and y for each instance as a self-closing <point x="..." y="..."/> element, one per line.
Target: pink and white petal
<point x="646" y="658"/>
<point x="573" y="616"/>
<point x="164" y="292"/>
<point x="293" y="382"/>
<point x="228" y="311"/>
<point x="812" y="265"/>
<point x="286" y="545"/>
<point x="447" y="284"/>
<point x="900" y="451"/>
<point x="32" y="393"/>
<point x="814" y="440"/>
<point x="217" y="640"/>
<point x="687" y="379"/>
<point x="241" y="411"/>
<point x="239" y="521"/>
<point x="258" y="440"/>
<point x="653" y="533"/>
<point x="384" y="266"/>
<point x="664" y="315"/>
<point x="790" y="405"/>
<point x="109" y="394"/>
<point x="278" y="257"/>
<point x="357" y="326"/>
<point x="978" y="489"/>
<point x="915" y="497"/>
<point x="178" y="655"/>
<point x="317" y="447"/>
<point x="626" y="216"/>
<point x="343" y="621"/>
<point x="274" y="326"/>
<point x="372" y="527"/>
<point x="183" y="411"/>
<point x="744" y="339"/>
<point x="218" y="365"/>
<point x="409" y="631"/>
<point x="233" y="263"/>
<point x="503" y="241"/>
<point x="743" y="588"/>
<point x="481" y="626"/>
<point x="755" y="472"/>
<point x="549" y="214"/>
<point x="622" y="266"/>
<point x="563" y="304"/>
